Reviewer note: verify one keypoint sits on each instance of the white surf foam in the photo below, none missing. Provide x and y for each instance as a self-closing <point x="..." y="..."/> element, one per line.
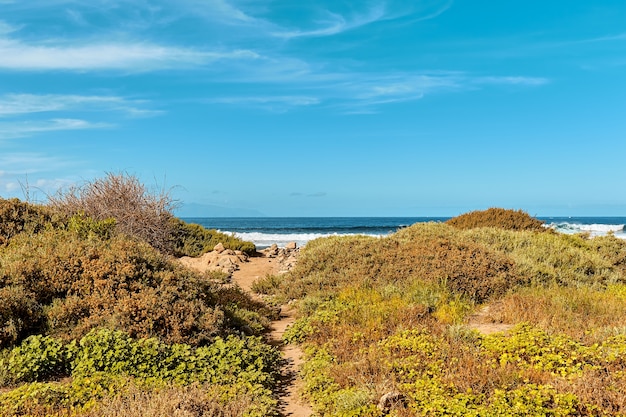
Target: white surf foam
<point x="264" y="240"/>
<point x="592" y="229"/>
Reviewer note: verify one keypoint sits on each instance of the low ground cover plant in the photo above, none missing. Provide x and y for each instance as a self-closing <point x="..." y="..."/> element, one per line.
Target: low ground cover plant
<point x="106" y="362"/>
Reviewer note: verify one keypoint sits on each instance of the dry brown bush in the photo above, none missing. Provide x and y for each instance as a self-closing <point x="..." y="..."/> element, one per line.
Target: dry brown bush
<point x="117" y="283"/>
<point x="497" y="217"/>
<point x="138" y="211"/>
<point x="601" y="392"/>
<point x="17" y="217"/>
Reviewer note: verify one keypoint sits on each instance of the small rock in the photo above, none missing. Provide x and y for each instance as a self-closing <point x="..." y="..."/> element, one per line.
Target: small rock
<point x="390" y="401"/>
<point x="291" y="246"/>
<point x="219" y="248"/>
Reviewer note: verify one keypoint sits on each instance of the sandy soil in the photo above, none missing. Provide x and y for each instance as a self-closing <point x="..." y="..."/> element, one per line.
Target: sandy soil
<point x="289" y="402"/>
<point x="481" y="322"/>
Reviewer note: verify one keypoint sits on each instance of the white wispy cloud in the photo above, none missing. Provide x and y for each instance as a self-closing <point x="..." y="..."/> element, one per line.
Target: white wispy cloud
<point x="51" y="55"/>
<point x="12" y="105"/>
<point x="31" y="175"/>
<point x="334" y="23"/>
<point x="224" y="9"/>
<point x="270" y="103"/>
<point x="365" y="93"/>
<point x="12" y="130"/>
<point x="511" y="80"/>
<point x="6" y="28"/>
<point x="608" y="38"/>
<point x="405" y="85"/>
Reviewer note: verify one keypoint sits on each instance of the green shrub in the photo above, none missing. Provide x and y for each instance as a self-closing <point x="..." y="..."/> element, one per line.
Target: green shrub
<point x="86" y="227"/>
<point x="429" y="253"/>
<point x="35" y="399"/>
<point x="38" y="358"/>
<point x="534" y="348"/>
<point x="104" y="361"/>
<point x="497" y="217"/>
<point x="267" y="285"/>
<point x="190" y="239"/>
<point x="557" y="259"/>
<point x="225" y="361"/>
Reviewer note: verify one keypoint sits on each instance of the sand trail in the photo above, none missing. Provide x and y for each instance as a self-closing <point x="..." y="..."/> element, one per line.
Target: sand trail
<point x="290" y="404"/>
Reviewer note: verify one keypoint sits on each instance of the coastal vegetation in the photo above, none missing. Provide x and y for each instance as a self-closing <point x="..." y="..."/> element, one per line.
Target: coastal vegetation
<point x="486" y="319"/>
<point x="488" y="314"/>
<point x="96" y="314"/>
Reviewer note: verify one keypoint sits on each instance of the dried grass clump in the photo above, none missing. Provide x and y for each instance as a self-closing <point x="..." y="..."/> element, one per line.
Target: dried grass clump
<point x="557" y="259"/>
<point x="497" y="217"/>
<point x="138" y="211"/>
<point x="581" y="313"/>
<point x="191" y="401"/>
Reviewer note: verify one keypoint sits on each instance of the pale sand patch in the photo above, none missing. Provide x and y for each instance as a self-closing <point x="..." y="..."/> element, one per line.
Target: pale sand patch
<point x="481" y="322"/>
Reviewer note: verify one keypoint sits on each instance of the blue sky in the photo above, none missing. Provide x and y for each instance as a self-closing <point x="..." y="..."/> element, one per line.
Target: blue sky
<point x="325" y="108"/>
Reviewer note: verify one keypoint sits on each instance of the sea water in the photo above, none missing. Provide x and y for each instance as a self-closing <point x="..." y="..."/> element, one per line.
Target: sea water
<point x="265" y="231"/>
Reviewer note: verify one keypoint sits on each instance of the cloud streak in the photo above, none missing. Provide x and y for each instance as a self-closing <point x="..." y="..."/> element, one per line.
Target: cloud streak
<point x="270" y="103"/>
<point x="128" y="56"/>
<point x="365" y="93"/>
<point x="333" y="24"/>
<point x="12" y="105"/>
<point x="12" y="130"/>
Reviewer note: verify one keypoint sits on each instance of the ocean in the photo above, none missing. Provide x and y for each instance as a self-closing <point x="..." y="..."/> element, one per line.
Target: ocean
<point x="265" y="231"/>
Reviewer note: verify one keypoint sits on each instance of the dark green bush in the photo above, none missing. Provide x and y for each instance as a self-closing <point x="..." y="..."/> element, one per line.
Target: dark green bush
<point x="20" y="314"/>
<point x="114" y="352"/>
<point x="191" y="239"/>
<point x="497" y="217"/>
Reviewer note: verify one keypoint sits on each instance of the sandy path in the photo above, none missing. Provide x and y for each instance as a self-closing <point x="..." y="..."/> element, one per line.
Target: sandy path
<point x="480" y="321"/>
<point x="289" y="402"/>
<point x="257" y="267"/>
